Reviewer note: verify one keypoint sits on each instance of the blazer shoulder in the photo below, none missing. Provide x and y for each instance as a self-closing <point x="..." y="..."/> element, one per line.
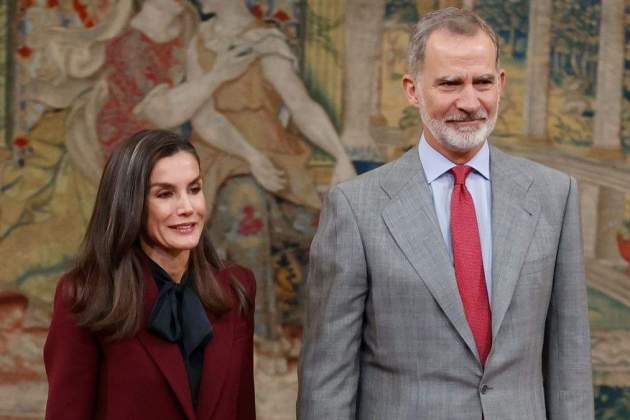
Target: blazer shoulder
<point x="243" y="275"/>
<point x="65" y="292"/>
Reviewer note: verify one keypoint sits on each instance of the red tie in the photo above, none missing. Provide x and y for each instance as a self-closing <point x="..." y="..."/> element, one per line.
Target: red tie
<point x="469" y="273"/>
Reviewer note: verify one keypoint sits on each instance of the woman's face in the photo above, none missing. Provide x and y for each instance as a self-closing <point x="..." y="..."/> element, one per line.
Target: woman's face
<point x="176" y="207"/>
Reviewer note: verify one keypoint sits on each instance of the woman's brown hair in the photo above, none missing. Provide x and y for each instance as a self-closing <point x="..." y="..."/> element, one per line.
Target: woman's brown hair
<point x="106" y="284"/>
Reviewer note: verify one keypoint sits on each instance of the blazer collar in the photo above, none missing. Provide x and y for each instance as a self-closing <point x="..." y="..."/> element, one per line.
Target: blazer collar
<point x="217" y="357"/>
<point x="169" y="361"/>
<point x="411" y="219"/>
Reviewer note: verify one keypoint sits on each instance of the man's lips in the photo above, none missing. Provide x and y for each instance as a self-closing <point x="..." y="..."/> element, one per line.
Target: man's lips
<point x="466" y="122"/>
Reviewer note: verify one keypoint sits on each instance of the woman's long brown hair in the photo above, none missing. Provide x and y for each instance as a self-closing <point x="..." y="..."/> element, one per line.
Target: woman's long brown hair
<point x="106" y="284"/>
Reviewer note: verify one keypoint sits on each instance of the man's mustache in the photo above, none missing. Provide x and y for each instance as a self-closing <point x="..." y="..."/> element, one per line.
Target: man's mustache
<point x="463" y="117"/>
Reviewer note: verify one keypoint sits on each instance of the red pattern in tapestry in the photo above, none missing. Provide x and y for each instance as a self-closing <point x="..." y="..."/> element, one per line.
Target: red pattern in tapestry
<point x="135" y="65"/>
<point x="250" y="224"/>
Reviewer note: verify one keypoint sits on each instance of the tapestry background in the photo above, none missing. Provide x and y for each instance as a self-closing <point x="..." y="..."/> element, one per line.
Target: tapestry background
<point x="76" y="76"/>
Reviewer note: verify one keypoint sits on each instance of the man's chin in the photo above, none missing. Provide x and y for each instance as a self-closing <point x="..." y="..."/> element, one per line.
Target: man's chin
<point x="458" y="144"/>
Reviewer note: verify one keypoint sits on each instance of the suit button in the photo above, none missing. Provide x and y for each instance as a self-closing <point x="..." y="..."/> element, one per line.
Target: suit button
<point x="484" y="389"/>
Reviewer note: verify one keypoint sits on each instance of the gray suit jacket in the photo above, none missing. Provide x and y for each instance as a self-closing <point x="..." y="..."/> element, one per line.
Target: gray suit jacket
<point x="386" y="337"/>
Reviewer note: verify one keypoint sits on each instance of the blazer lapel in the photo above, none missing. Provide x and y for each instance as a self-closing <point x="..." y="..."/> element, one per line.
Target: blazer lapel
<point x="167" y="356"/>
<point x="514" y="218"/>
<point x="412" y="221"/>
<point x="215" y="364"/>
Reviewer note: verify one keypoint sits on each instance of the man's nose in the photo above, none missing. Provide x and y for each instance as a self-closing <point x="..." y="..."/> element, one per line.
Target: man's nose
<point x="468" y="100"/>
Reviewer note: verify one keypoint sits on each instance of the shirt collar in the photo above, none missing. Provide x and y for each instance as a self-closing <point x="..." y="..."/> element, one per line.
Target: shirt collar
<point x="436" y="164"/>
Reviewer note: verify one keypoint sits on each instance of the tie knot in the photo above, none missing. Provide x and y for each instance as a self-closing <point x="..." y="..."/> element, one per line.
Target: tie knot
<point x="460" y="172"/>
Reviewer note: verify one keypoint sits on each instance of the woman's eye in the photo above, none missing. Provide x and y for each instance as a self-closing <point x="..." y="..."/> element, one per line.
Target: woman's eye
<point x="163" y="194"/>
<point x="195" y="189"/>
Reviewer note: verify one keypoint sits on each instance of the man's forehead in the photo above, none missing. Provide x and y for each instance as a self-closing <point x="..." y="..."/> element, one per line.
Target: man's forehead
<point x="445" y="45"/>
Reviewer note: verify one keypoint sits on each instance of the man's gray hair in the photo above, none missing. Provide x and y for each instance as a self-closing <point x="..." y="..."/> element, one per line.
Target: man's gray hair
<point x="457" y="21"/>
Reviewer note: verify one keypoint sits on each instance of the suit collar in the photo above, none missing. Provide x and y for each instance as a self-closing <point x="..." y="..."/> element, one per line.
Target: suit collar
<point x="411" y="219"/>
<point x="397" y="173"/>
<point x="515" y="213"/>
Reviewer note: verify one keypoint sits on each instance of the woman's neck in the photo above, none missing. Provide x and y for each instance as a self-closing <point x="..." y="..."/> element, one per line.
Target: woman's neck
<point x="175" y="264"/>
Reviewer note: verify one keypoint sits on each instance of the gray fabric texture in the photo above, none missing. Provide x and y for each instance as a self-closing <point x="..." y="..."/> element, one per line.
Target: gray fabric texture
<point x="386" y="336"/>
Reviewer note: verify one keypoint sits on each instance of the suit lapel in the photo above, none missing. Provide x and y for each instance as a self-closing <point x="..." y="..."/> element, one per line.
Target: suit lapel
<point x="515" y="213"/>
<point x="216" y="363"/>
<point x="167" y="356"/>
<point x="412" y="221"/>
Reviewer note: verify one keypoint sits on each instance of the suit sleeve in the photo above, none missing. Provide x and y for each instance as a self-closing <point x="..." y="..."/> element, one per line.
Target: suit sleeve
<point x="246" y="398"/>
<point x="336" y="289"/>
<point x="567" y="355"/>
<point x="71" y="358"/>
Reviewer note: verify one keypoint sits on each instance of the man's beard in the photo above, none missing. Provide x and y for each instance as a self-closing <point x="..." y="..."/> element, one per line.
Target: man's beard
<point x="460" y="139"/>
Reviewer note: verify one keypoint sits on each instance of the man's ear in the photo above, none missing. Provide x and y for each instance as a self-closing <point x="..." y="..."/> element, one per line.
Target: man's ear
<point x="502" y="80"/>
<point x="411" y="90"/>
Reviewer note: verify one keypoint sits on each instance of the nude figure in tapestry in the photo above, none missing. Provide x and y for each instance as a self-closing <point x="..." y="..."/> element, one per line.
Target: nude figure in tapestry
<point x="256" y="125"/>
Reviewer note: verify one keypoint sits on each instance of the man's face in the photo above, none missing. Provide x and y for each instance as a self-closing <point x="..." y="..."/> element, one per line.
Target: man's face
<point x="457" y="90"/>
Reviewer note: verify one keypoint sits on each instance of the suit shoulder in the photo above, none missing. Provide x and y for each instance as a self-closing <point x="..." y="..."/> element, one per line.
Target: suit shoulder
<point x="370" y="185"/>
<point x="544" y="176"/>
<point x="366" y="179"/>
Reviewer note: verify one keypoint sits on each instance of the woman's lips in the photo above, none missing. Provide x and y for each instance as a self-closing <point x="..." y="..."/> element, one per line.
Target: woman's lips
<point x="184" y="227"/>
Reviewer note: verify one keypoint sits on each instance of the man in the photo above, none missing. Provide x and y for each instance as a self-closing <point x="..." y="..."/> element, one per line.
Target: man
<point x="449" y="284"/>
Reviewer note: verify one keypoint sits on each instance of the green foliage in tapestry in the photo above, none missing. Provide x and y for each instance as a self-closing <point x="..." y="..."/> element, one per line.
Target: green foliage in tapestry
<point x="612" y="403"/>
<point x="318" y="30"/>
<point x="574" y="41"/>
<point x="509" y="18"/>
<point x="401" y="11"/>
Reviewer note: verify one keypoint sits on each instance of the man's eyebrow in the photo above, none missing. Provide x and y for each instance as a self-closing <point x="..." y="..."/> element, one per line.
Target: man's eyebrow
<point x="448" y="79"/>
<point x="484" y="78"/>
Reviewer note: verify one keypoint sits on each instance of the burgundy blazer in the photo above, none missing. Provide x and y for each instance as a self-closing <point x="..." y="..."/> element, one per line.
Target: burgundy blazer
<point x="144" y="377"/>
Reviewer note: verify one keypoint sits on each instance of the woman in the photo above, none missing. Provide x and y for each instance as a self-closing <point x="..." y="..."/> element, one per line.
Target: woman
<point x="149" y="324"/>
